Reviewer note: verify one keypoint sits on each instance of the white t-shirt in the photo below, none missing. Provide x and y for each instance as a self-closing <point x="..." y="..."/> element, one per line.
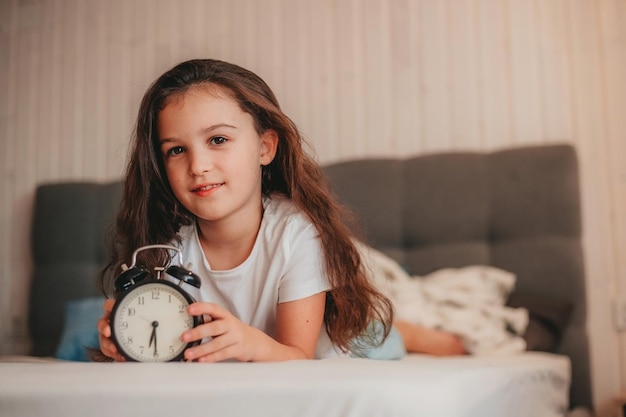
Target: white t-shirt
<point x="286" y="264"/>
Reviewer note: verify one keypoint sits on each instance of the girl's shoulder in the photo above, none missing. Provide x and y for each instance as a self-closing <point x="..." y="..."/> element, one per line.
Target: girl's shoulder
<point x="281" y="210"/>
<point x="280" y="206"/>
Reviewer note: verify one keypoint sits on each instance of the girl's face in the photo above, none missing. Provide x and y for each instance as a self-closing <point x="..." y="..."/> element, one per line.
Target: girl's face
<point x="213" y="154"/>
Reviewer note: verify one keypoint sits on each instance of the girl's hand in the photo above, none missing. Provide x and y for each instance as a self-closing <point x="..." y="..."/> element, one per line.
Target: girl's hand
<point x="230" y="338"/>
<point x="104" y="333"/>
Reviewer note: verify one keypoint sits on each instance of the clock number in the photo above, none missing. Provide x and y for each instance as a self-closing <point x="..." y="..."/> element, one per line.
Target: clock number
<point x="155" y="295"/>
<point x="131" y="311"/>
<point x="181" y="308"/>
<point x="169" y="298"/>
<point x="141" y="349"/>
<point x="130" y="340"/>
<point x="141" y="301"/>
<point x="124" y="325"/>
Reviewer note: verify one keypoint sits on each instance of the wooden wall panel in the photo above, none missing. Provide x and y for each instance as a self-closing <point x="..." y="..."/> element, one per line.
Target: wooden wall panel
<point x="554" y="71"/>
<point x="465" y="88"/>
<point x="611" y="16"/>
<point x="7" y="68"/>
<point x="494" y="48"/>
<point x="434" y="91"/>
<point x="589" y="133"/>
<point x="524" y="67"/>
<point x="376" y="65"/>
<point x="319" y="85"/>
<point x="404" y="38"/>
<point x="347" y="111"/>
<point x="360" y="78"/>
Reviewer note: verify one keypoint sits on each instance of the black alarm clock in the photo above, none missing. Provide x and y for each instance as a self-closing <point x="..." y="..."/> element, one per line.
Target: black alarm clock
<point x="150" y="313"/>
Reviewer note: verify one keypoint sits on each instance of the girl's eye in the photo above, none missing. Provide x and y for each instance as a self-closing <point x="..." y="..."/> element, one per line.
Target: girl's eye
<point x="175" y="150"/>
<point x="218" y="140"/>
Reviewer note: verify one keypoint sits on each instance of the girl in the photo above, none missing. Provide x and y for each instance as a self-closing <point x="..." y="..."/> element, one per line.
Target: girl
<point x="219" y="170"/>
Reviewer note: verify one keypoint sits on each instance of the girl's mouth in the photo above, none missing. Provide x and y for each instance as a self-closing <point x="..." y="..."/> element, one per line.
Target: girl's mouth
<point x="206" y="188"/>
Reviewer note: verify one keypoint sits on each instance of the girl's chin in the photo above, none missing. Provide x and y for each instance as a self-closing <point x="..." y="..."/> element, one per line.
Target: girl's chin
<point x="208" y="217"/>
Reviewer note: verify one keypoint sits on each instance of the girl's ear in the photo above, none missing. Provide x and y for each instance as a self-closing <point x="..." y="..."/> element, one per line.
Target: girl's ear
<point x="269" y="144"/>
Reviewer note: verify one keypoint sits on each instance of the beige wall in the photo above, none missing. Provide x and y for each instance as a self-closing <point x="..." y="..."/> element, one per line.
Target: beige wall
<point x="371" y="77"/>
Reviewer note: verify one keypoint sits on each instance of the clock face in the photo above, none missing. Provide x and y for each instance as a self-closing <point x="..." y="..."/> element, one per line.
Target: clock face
<point x="148" y="320"/>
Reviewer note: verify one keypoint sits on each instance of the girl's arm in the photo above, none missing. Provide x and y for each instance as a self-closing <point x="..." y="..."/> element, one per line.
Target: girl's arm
<point x="298" y="324"/>
<point x="420" y="339"/>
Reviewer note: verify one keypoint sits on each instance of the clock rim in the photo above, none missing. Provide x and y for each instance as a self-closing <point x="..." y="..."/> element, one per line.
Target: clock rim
<point x="197" y="320"/>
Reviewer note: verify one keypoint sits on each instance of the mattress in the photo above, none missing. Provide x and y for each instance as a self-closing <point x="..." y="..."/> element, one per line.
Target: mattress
<point x="526" y="384"/>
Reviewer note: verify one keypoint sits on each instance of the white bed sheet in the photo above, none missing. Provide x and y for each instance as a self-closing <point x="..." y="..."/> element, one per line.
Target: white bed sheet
<point x="528" y="384"/>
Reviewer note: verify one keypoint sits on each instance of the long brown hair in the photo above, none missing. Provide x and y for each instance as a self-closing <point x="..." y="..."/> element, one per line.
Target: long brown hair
<point x="149" y="213"/>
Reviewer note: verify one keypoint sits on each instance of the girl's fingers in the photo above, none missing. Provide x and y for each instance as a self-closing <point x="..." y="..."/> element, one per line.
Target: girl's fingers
<point x="214" y="328"/>
<point x="213" y="350"/>
<point x="212" y="314"/>
<point x="108" y="305"/>
<point x="221" y="329"/>
<point x="103" y="323"/>
<point x="104" y="328"/>
<point x="207" y="309"/>
<point x="227" y="352"/>
<point x="104" y="332"/>
<point x="108" y="347"/>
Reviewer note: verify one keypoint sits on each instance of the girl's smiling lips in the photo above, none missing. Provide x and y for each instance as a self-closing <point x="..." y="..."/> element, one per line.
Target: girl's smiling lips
<point x="206" y="189"/>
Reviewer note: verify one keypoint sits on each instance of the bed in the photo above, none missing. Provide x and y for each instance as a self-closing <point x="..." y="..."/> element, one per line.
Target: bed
<point x="416" y="385"/>
<point x="517" y="209"/>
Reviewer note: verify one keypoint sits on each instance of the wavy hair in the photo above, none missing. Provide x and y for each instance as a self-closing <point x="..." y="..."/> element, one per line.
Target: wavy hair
<point x="149" y="212"/>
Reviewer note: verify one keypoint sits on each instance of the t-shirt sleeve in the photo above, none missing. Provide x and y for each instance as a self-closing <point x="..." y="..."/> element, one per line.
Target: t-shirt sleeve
<point x="305" y="274"/>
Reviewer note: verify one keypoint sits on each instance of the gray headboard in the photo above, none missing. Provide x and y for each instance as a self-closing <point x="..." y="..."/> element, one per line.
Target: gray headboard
<point x="516" y="209"/>
<point x="69" y="223"/>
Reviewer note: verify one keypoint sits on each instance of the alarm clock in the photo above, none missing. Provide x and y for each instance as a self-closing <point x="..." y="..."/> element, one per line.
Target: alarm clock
<point x="150" y="313"/>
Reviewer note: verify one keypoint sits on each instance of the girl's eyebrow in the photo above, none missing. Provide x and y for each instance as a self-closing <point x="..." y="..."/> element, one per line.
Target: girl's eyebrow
<point x="203" y="131"/>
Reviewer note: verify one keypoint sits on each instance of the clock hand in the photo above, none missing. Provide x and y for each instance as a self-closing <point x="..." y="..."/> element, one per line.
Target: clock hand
<point x="155" y="324"/>
<point x="152" y="336"/>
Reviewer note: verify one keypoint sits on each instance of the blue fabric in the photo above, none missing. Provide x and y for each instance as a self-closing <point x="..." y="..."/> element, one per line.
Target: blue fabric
<point x="79" y="329"/>
<point x="370" y="347"/>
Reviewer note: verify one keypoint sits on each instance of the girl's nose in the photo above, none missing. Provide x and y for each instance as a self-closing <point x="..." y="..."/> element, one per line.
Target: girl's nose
<point x="199" y="163"/>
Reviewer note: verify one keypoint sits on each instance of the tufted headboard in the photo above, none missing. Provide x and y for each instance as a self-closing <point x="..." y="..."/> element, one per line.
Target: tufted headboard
<point x="517" y="209"/>
<point x="69" y="224"/>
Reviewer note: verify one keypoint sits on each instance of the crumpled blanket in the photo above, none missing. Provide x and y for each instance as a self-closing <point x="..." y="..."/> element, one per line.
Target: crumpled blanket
<point x="469" y="302"/>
